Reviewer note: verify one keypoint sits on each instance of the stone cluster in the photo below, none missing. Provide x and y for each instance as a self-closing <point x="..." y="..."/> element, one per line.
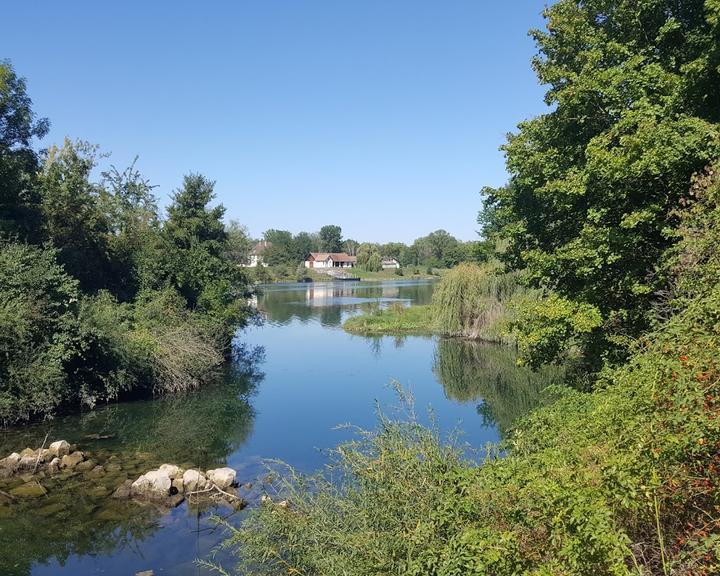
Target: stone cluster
<point x="168" y="485"/>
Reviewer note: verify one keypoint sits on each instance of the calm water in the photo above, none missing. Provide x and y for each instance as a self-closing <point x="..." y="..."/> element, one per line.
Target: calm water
<point x="312" y="376"/>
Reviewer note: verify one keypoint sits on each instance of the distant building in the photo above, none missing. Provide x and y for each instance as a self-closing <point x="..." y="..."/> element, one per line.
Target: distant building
<point x="390" y="263"/>
<point x="330" y="260"/>
<point x="256" y="254"/>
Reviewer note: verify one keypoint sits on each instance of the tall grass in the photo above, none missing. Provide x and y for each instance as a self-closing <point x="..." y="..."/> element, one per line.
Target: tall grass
<point x="473" y="301"/>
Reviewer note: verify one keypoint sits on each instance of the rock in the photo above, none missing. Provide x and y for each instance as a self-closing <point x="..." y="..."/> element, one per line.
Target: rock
<point x="5" y="472"/>
<point x="154" y="485"/>
<point x="28" y="452"/>
<point x="145" y="573"/>
<point x="50" y="509"/>
<point x="86" y="465"/>
<point x="11" y="461"/>
<point x="27" y="462"/>
<point x="172" y="470"/>
<point x="247" y="486"/>
<point x="96" y="472"/>
<point x="222" y="477"/>
<point x="60" y="448"/>
<point x="29" y="490"/>
<point x="45" y="455"/>
<point x="265" y="499"/>
<point x="72" y="460"/>
<point x="113" y="467"/>
<point x="54" y="466"/>
<point x="123" y="491"/>
<point x="283" y="504"/>
<point x="194" y="480"/>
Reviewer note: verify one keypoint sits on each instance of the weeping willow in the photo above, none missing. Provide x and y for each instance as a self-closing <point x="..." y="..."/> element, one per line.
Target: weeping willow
<point x="475" y="301"/>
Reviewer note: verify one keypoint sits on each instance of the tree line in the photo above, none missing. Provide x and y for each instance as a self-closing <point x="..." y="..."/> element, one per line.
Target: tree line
<point x="439" y="249"/>
<point x="102" y="295"/>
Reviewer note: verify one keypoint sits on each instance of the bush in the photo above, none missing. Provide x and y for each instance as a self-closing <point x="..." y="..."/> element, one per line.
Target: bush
<point x="38" y="331"/>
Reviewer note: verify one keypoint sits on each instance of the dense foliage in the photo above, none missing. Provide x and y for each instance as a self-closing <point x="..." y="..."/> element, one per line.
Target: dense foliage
<point x="634" y="91"/>
<point x="99" y="296"/>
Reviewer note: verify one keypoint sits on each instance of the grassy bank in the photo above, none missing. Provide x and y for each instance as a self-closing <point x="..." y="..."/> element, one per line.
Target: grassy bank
<point x="393" y="320"/>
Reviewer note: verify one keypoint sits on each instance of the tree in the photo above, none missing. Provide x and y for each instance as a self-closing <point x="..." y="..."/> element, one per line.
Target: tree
<point x="280" y="247"/>
<point x="239" y="243"/>
<point x="197" y="243"/>
<point x="19" y="126"/>
<point x="635" y="94"/>
<point x="331" y="238"/>
<point x="72" y="215"/>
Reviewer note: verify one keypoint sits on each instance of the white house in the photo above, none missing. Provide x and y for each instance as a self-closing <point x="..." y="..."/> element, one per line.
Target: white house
<point x="330" y="260"/>
<point x="390" y="263"/>
<point x="256" y="254"/>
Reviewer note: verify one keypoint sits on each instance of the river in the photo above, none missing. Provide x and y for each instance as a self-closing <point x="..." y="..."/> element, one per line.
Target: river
<point x="303" y="377"/>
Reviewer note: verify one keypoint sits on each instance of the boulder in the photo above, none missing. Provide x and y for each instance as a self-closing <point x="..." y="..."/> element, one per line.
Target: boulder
<point x="193" y="480"/>
<point x="154" y="485"/>
<point x="54" y="465"/>
<point x="86" y="465"/>
<point x="31" y="489"/>
<point x="123" y="491"/>
<point x="222" y="477"/>
<point x="172" y="470"/>
<point x="9" y="465"/>
<point x="28" y="452"/>
<point x="96" y="472"/>
<point x="59" y="449"/>
<point x="72" y="460"/>
<point x="178" y="486"/>
<point x="27" y="462"/>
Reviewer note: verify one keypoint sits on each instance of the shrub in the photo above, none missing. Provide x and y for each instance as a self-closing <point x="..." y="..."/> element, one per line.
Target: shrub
<point x="38" y="331"/>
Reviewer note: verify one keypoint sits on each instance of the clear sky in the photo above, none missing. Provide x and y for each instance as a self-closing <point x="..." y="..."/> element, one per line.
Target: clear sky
<point x="381" y="116"/>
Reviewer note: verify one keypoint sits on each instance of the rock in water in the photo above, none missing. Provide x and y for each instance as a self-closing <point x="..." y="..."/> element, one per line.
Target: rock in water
<point x="72" y="460"/>
<point x="154" y="485"/>
<point x="29" y="490"/>
<point x="222" y="477"/>
<point x="172" y="470"/>
<point x="194" y="481"/>
<point x="60" y="448"/>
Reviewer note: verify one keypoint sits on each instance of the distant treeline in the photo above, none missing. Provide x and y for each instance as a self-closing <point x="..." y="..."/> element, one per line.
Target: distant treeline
<point x="439" y="249"/>
<point x="101" y="295"/>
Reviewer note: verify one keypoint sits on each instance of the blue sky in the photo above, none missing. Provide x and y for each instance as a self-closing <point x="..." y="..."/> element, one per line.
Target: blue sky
<point x="381" y="116"/>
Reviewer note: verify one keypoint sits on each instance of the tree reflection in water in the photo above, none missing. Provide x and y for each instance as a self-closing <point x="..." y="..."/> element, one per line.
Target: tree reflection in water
<point x="473" y="371"/>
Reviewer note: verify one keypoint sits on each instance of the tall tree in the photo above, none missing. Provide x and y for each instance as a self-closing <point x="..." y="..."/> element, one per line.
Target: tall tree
<point x="634" y="87"/>
<point x="196" y="237"/>
<point x="19" y="126"/>
<point x="331" y="238"/>
<point x="73" y="218"/>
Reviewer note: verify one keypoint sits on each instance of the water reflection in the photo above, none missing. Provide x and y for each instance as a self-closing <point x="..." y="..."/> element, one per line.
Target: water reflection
<point x="326" y="301"/>
<point x="77" y="517"/>
<point x="489" y="374"/>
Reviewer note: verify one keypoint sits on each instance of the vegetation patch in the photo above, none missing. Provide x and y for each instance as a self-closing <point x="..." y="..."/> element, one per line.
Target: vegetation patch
<point x="396" y="319"/>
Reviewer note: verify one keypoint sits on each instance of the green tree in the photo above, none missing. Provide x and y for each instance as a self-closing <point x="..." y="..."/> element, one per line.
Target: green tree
<point x="73" y="218"/>
<point x="196" y="263"/>
<point x="239" y="244"/>
<point x="331" y="238"/>
<point x="280" y="248"/>
<point x="19" y="126"/>
<point x="634" y="90"/>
